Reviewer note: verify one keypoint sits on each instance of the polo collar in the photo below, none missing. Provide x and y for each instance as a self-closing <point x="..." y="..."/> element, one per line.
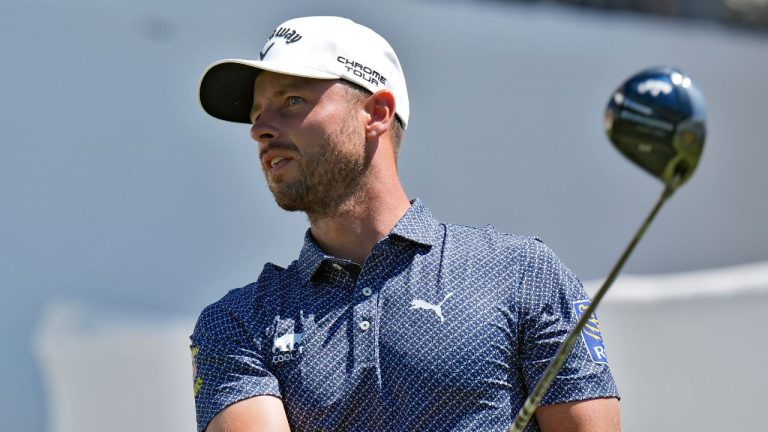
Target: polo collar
<point x="417" y="225"/>
<point x="310" y="258"/>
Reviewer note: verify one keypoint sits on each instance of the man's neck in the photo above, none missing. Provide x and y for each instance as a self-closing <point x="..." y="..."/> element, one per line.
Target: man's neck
<point x="357" y="226"/>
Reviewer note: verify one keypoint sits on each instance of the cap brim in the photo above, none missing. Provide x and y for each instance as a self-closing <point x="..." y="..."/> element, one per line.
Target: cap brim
<point x="226" y="87"/>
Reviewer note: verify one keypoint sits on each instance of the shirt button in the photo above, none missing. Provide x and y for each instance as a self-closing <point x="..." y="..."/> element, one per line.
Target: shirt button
<point x="364" y="325"/>
<point x="336" y="266"/>
<point x="367" y="291"/>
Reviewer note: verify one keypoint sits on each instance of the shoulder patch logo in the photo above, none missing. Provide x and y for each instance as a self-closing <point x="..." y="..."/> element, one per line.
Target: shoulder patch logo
<point x="197" y="381"/>
<point x="591" y="335"/>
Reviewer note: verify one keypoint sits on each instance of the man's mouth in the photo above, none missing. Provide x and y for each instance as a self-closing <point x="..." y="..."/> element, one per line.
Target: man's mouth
<point x="278" y="162"/>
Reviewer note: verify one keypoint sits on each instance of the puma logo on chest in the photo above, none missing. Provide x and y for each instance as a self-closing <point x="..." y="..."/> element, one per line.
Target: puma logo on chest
<point x="437" y="309"/>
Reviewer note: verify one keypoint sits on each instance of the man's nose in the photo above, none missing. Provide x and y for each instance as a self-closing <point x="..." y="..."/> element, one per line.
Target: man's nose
<point x="263" y="131"/>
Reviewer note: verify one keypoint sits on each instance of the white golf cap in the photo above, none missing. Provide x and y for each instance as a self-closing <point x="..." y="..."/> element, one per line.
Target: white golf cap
<point x="312" y="47"/>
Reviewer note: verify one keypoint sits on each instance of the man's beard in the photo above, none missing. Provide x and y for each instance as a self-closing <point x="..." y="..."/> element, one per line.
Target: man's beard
<point x="329" y="175"/>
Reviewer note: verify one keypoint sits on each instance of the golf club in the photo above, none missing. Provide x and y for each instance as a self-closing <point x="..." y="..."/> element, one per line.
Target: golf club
<point x="656" y="118"/>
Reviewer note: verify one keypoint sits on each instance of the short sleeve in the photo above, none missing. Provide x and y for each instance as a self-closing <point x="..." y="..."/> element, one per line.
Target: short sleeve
<point x="228" y="363"/>
<point x="550" y="297"/>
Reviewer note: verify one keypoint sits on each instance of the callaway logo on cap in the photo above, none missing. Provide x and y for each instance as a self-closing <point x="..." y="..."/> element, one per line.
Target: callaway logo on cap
<point x="311" y="47"/>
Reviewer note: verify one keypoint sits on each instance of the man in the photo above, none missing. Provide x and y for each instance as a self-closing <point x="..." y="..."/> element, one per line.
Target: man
<point x="388" y="320"/>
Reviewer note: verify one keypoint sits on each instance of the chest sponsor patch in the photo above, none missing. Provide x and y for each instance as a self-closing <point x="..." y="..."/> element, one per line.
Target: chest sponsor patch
<point x="287" y="347"/>
<point x="593" y="339"/>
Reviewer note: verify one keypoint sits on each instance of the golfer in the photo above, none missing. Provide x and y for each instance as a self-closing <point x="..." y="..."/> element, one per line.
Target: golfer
<point x="388" y="320"/>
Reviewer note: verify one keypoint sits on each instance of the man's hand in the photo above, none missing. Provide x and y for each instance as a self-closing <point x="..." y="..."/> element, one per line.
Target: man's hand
<point x="257" y="414"/>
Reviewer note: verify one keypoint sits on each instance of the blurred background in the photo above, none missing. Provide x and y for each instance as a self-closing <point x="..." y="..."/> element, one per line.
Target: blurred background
<point x="124" y="209"/>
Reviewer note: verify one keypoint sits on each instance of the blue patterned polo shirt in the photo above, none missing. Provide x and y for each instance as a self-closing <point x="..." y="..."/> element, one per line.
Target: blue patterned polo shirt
<point x="443" y="328"/>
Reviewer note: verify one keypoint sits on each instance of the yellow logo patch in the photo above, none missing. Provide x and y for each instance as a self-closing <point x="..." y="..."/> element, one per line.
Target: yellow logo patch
<point x="197" y="381"/>
<point x="591" y="335"/>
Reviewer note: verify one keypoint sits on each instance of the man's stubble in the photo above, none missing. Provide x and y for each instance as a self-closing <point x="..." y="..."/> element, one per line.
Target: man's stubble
<point x="330" y="174"/>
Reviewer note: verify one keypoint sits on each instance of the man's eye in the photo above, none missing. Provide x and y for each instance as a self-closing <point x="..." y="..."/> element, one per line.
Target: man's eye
<point x="294" y="100"/>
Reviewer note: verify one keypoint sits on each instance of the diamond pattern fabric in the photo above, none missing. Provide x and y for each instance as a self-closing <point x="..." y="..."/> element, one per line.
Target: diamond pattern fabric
<point x="443" y="328"/>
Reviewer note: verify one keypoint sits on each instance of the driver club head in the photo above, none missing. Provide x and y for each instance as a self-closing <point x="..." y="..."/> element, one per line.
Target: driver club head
<point x="656" y="118"/>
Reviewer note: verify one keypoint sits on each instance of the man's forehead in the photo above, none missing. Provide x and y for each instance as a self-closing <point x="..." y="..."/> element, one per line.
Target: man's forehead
<point x="268" y="81"/>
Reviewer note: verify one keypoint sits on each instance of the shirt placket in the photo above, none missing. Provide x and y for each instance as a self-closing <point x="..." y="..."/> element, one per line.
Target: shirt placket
<point x="365" y="314"/>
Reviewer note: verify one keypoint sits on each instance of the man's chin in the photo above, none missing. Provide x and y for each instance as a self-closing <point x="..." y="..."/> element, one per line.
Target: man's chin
<point x="288" y="206"/>
<point x="287" y="203"/>
<point x="316" y="211"/>
<point x="285" y="196"/>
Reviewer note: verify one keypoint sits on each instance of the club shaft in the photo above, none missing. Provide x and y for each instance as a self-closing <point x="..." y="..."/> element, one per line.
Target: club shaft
<point x="534" y="399"/>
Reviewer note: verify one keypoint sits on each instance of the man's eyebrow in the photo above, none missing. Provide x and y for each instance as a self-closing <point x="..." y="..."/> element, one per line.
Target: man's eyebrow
<point x="292" y="87"/>
<point x="282" y="91"/>
<point x="296" y="86"/>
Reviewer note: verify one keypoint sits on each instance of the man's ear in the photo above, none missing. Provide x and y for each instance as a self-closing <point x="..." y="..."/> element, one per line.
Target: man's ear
<point x="380" y="107"/>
